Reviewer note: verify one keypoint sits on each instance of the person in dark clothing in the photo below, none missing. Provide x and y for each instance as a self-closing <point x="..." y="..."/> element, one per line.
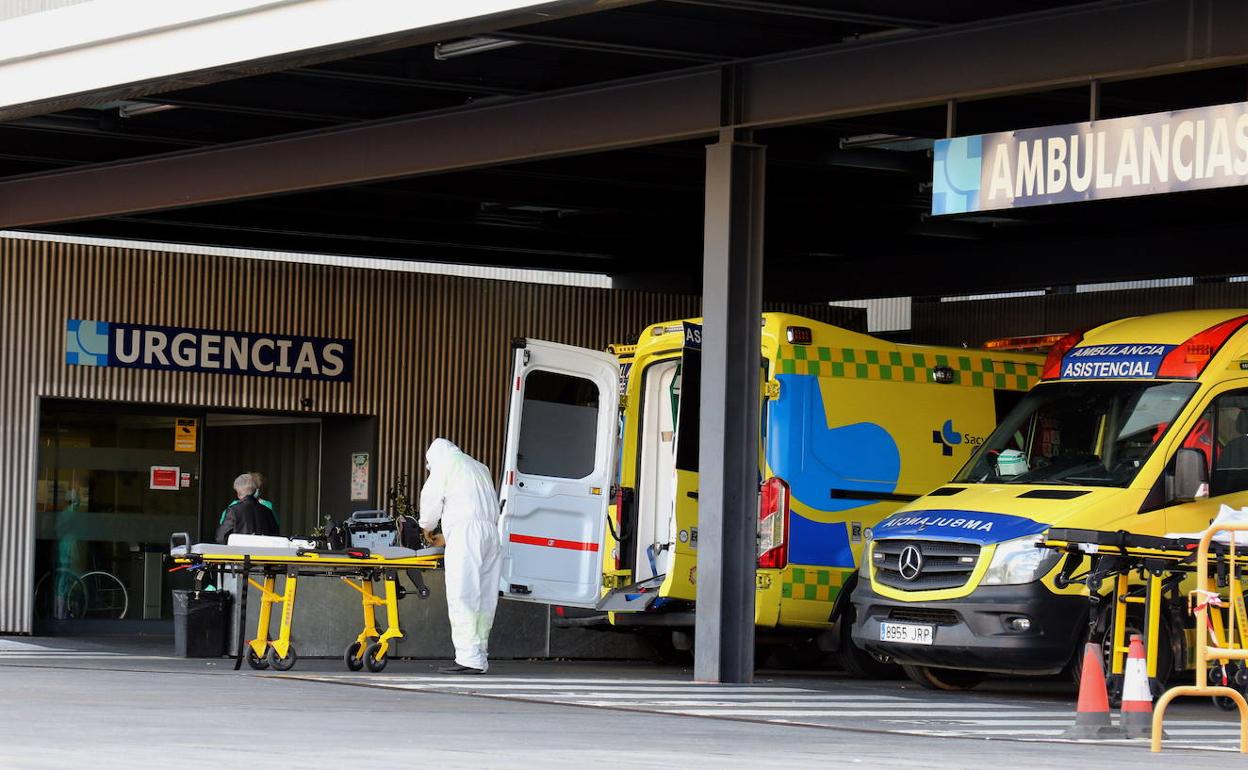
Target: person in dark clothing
<point x="248" y="516"/>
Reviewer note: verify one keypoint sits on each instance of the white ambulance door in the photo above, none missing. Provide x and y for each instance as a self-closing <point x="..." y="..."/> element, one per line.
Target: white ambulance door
<point x="557" y="472"/>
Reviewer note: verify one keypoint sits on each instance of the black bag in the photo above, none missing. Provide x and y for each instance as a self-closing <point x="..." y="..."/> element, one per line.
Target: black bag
<point x="337" y="538"/>
<point x="410" y="535"/>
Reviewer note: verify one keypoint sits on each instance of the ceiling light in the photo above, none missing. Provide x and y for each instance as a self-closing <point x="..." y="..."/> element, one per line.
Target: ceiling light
<point x="135" y="109"/>
<point x="468" y="46"/>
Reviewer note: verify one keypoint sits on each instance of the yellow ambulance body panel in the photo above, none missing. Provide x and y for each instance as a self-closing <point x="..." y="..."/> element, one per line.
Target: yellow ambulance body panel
<point x="855" y="426"/>
<point x="954" y="581"/>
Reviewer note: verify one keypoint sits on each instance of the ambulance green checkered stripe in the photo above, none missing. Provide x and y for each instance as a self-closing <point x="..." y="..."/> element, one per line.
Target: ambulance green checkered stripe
<point x="817" y="585"/>
<point x="974" y="370"/>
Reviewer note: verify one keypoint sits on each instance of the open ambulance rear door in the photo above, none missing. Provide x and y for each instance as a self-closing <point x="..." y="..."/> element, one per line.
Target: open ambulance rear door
<point x="557" y="472"/>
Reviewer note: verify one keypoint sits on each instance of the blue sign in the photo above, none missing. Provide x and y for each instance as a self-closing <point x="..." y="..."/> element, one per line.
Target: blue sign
<point x="138" y="346"/>
<point x="958" y="526"/>
<point x="1141" y="155"/>
<point x="693" y="336"/>
<point x="1117" y="362"/>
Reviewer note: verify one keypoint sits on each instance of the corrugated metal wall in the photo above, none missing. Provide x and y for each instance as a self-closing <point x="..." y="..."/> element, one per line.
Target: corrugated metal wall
<point x="432" y="353"/>
<point x="973" y="322"/>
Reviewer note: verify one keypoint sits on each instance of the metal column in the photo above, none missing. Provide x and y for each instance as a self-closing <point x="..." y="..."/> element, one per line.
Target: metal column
<point x="732" y="283"/>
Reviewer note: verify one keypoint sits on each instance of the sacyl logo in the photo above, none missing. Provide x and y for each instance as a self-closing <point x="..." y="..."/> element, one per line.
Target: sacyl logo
<point x="947" y="437"/>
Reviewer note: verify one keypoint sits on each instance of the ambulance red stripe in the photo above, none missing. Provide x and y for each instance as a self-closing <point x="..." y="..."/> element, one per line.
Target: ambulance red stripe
<point x="548" y="542"/>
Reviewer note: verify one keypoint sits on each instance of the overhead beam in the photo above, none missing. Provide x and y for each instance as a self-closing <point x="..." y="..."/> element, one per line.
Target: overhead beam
<point x="809" y="12"/>
<point x="1104" y="41"/>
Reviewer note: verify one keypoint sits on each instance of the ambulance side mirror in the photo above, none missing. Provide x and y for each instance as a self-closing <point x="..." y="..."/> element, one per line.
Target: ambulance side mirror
<point x="1191" y="475"/>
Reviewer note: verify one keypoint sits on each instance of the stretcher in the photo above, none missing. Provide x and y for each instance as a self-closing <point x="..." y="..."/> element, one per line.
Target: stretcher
<point x="1217" y="604"/>
<point x="359" y="568"/>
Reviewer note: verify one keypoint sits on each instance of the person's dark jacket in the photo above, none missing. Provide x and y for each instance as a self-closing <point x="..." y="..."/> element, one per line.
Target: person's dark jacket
<point x="247" y="517"/>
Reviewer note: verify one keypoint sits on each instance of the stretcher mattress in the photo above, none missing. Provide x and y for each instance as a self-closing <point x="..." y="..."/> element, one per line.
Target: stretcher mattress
<point x="389" y="552"/>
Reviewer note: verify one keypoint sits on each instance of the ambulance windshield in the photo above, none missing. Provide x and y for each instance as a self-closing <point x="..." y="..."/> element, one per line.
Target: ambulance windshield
<point x="1079" y="433"/>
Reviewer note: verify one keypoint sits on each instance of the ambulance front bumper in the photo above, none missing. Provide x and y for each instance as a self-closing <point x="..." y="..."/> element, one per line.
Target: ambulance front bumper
<point x="979" y="632"/>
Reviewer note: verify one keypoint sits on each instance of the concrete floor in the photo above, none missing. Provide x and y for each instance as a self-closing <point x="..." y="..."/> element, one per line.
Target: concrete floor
<point x="124" y="704"/>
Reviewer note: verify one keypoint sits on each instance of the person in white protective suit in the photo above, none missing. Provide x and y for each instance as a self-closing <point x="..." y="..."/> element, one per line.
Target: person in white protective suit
<point x="460" y="492"/>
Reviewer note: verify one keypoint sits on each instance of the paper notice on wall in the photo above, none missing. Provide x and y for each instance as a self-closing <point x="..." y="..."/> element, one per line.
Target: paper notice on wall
<point x="359" y="476"/>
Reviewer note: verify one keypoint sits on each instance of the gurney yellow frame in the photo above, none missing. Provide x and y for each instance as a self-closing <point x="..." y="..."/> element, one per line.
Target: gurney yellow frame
<point x="1204" y="653"/>
<point x="1122" y="596"/>
<point x="358" y="572"/>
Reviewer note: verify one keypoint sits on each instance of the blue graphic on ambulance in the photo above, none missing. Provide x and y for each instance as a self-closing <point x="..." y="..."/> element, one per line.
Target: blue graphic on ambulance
<point x="814" y="458"/>
<point x="958" y="526"/>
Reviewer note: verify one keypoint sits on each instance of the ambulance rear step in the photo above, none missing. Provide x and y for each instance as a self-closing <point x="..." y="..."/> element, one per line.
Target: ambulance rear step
<point x="636" y="597"/>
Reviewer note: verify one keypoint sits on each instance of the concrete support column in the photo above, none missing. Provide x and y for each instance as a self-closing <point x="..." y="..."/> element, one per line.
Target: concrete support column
<point x="729" y="432"/>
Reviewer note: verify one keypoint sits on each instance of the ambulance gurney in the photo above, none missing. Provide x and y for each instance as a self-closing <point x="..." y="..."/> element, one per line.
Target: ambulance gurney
<point x="1216" y="601"/>
<point x="357" y="567"/>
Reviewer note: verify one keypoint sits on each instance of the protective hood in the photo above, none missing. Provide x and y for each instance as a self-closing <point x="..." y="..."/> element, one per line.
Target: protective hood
<point x="439" y="452"/>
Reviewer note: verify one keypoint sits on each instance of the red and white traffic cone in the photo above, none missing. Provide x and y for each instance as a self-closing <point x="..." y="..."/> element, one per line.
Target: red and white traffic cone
<point x="1092" y="715"/>
<point x="1137" y="696"/>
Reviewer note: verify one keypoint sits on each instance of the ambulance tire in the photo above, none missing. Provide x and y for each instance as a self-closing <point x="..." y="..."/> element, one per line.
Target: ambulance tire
<point x="946" y="679"/>
<point x="855" y="661"/>
<point x="660" y="648"/>
<point x="1103" y="636"/>
<point x="793" y="655"/>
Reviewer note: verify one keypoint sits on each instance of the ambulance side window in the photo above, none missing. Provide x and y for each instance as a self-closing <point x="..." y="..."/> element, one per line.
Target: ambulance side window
<point x="1225" y="437"/>
<point x="558" y="426"/>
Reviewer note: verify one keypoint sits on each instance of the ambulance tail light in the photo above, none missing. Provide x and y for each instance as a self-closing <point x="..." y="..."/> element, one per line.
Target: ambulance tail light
<point x="622" y="496"/>
<point x="773" y="524"/>
<point x="1053" y="363"/>
<point x="1188" y="360"/>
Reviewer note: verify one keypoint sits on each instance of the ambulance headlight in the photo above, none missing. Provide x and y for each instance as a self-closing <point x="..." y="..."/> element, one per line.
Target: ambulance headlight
<point x="1019" y="561"/>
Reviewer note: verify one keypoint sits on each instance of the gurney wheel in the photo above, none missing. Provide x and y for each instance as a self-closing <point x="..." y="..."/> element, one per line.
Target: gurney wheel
<point x="374" y="663"/>
<point x="353" y="662"/>
<point x="254" y="660"/>
<point x="283" y="664"/>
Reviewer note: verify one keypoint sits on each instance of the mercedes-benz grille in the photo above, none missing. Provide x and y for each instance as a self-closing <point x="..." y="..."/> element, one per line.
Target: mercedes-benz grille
<point x="923" y="565"/>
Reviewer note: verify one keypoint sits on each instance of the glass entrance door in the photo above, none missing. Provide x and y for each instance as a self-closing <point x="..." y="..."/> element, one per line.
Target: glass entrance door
<point x="114" y="482"/>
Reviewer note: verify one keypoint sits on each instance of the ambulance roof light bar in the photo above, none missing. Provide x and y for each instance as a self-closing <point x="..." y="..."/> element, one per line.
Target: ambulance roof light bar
<point x="1053" y="362"/>
<point x="1188" y="360"/>
<point x="1026" y="342"/>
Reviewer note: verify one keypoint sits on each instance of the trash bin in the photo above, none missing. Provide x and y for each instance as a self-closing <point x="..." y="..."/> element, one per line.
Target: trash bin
<point x="201" y="621"/>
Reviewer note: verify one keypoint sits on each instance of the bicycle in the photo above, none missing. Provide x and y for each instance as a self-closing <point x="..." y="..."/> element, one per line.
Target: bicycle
<point x="63" y="594"/>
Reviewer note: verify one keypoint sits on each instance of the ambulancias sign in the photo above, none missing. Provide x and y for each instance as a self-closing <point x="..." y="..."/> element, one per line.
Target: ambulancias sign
<point x="138" y="346"/>
<point x="1142" y="155"/>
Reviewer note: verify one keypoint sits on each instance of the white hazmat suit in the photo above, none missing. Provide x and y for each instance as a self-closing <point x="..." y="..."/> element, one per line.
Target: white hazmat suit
<point x="460" y="493"/>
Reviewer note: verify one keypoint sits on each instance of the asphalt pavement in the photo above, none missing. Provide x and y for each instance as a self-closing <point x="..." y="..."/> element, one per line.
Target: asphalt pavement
<point x="125" y="703"/>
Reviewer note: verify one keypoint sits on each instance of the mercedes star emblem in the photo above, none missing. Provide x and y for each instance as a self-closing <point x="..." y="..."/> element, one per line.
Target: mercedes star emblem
<point x="910" y="563"/>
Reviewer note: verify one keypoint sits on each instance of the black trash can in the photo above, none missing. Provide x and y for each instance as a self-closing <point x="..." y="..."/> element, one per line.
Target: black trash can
<point x="201" y="623"/>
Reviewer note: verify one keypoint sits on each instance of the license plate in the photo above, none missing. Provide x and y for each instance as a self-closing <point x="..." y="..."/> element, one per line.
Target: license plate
<point x="907" y="633"/>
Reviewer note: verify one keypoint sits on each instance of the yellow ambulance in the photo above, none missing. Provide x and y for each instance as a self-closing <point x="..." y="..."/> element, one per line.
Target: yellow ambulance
<point x="600" y="479"/>
<point x="1139" y="425"/>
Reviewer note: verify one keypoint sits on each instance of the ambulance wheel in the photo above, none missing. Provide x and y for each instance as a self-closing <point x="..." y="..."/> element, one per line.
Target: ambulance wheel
<point x="254" y="660"/>
<point x="947" y="679"/>
<point x="855" y="661"/>
<point x="372" y="661"/>
<point x="1103" y="637"/>
<point x="286" y="663"/>
<point x="350" y="657"/>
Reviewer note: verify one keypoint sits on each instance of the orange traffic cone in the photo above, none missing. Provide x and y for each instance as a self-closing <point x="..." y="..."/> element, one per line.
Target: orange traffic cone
<point x="1092" y="715"/>
<point x="1137" y="697"/>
